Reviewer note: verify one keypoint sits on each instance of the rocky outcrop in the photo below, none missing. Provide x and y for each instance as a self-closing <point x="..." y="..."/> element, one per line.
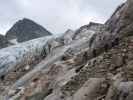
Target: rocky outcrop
<point x="25" y="30"/>
<point x="121" y="20"/>
<point x="67" y="37"/>
<point x="88" y="30"/>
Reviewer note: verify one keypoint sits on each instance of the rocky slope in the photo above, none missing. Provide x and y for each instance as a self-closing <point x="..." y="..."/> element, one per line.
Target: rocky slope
<point x="25" y="30"/>
<point x="121" y="20"/>
<point x="94" y="62"/>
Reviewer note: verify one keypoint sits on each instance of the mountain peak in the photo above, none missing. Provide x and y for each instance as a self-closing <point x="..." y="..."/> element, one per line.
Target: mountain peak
<point x="26" y="29"/>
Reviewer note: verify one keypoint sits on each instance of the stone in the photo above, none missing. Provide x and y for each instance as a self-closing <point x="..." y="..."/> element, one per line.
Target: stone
<point x="130" y="96"/>
<point x="117" y="60"/>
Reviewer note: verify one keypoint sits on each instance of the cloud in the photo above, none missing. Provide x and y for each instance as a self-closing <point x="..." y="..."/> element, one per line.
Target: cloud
<point x="56" y="15"/>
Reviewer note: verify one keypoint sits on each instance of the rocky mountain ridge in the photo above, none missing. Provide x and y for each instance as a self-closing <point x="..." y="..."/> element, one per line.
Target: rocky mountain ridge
<point x="23" y="30"/>
<point x="26" y="29"/>
<point x="92" y="63"/>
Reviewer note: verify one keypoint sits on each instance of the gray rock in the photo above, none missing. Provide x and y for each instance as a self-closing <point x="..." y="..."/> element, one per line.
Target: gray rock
<point x="130" y="96"/>
<point x="122" y="19"/>
<point x="68" y="36"/>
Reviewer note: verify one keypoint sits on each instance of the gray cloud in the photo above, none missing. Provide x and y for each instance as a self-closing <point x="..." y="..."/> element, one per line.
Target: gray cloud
<point x="56" y="15"/>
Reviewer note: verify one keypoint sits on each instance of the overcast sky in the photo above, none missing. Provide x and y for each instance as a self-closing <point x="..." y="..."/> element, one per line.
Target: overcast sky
<point x="56" y="15"/>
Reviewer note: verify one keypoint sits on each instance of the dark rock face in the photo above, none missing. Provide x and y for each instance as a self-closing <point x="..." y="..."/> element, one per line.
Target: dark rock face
<point x="25" y="30"/>
<point x="3" y="42"/>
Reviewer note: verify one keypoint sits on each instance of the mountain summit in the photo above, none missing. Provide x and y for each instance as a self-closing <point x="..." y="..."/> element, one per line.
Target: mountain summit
<point x="25" y="30"/>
